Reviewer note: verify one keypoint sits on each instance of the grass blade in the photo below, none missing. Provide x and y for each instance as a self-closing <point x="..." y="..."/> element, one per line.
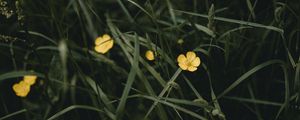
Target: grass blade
<point x="235" y="21"/>
<point x="13" y="114"/>
<point x="162" y="93"/>
<point x="70" y="108"/>
<point x="248" y="74"/>
<point x="130" y="80"/>
<point x="42" y="36"/>
<point x="101" y="94"/>
<point x="176" y="107"/>
<point x="256" y="101"/>
<point x="15" y="74"/>
<point x="287" y="91"/>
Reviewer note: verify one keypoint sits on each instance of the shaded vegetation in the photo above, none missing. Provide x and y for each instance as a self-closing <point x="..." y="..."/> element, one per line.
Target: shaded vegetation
<point x="249" y="51"/>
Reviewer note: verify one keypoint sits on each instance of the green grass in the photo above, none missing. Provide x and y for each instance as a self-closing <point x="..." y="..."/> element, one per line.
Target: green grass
<point x="249" y="51"/>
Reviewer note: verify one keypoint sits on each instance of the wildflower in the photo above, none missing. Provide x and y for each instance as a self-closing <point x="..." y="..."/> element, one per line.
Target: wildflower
<point x="30" y="79"/>
<point x="103" y="44"/>
<point x="190" y="62"/>
<point x="21" y="89"/>
<point x="149" y="55"/>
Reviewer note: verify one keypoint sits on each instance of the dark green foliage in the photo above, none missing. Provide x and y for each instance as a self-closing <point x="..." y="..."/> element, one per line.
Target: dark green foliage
<point x="249" y="50"/>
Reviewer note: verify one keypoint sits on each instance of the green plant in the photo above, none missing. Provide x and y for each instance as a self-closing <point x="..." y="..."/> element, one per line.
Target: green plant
<point x="249" y="51"/>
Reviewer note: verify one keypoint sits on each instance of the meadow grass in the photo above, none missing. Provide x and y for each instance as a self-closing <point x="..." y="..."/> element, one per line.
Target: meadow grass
<point x="249" y="53"/>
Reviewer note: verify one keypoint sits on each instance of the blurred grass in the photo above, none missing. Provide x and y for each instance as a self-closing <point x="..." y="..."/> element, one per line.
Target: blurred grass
<point x="249" y="50"/>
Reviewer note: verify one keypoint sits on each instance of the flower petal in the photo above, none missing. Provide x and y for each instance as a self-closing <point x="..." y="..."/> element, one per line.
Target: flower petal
<point x="30" y="79"/>
<point x="149" y="55"/>
<point x="104" y="47"/>
<point x="21" y="89"/>
<point x="22" y="94"/>
<point x="16" y="87"/>
<point x="183" y="66"/>
<point x="192" y="68"/>
<point x="181" y="58"/>
<point x="190" y="55"/>
<point x="196" y="62"/>
<point x="106" y="37"/>
<point x="99" y="40"/>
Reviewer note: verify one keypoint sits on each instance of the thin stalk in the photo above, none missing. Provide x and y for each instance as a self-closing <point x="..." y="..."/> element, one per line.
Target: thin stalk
<point x="162" y="93"/>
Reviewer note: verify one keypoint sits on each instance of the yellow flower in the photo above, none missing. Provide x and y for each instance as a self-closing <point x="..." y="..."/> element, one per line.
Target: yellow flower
<point x="21" y="89"/>
<point x="103" y="44"/>
<point x="190" y="62"/>
<point x="149" y="55"/>
<point x="30" y="79"/>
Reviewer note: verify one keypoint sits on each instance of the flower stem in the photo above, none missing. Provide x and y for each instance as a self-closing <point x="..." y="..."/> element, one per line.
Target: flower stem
<point x="162" y="93"/>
